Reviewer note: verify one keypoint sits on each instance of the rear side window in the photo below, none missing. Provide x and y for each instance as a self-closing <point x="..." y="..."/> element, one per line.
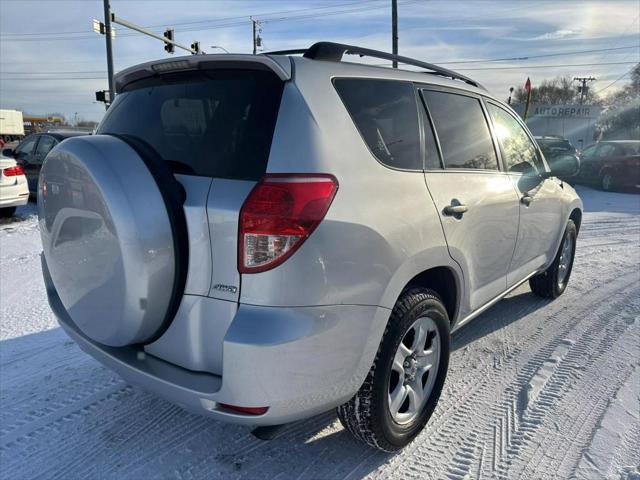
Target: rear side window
<point x="386" y="115"/>
<point x="216" y="123"/>
<point x="462" y="130"/>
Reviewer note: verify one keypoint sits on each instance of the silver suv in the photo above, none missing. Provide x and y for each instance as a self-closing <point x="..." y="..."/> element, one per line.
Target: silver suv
<point x="261" y="238"/>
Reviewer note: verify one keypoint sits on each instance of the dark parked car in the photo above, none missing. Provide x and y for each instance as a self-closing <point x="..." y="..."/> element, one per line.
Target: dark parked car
<point x="30" y="153"/>
<point x="611" y="165"/>
<point x="558" y="150"/>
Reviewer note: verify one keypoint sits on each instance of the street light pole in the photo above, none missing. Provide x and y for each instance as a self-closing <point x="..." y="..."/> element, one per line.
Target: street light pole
<point x="221" y="48"/>
<point x="107" y="25"/>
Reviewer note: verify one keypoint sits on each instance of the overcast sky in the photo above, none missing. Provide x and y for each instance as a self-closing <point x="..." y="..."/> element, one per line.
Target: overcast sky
<point x="51" y="61"/>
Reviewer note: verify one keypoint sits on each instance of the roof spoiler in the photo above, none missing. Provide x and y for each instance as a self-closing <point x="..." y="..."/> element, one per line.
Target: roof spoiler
<point x="281" y="67"/>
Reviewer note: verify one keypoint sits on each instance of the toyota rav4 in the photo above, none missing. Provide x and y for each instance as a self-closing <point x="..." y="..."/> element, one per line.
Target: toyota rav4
<point x="261" y="238"/>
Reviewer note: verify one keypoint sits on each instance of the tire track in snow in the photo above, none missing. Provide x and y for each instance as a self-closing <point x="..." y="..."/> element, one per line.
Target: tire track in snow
<point x="78" y="402"/>
<point x="566" y="390"/>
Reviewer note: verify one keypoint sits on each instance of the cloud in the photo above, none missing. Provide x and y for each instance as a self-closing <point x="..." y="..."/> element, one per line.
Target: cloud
<point x="558" y="34"/>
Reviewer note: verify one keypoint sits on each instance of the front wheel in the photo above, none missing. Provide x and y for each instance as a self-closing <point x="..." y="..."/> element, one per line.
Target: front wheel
<point x="553" y="281"/>
<point x="405" y="381"/>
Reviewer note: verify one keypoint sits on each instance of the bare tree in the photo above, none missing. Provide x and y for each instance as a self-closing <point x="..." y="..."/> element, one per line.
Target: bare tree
<point x="621" y="116"/>
<point x="557" y="91"/>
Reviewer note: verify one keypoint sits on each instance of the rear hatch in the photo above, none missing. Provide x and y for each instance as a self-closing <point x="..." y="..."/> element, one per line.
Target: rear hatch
<point x="212" y="123"/>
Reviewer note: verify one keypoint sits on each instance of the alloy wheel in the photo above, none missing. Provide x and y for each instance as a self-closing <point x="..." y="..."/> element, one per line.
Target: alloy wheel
<point x="414" y="370"/>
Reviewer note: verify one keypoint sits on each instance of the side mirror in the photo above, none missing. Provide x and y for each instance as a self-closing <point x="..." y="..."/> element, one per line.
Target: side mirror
<point x="8" y="152"/>
<point x="564" y="165"/>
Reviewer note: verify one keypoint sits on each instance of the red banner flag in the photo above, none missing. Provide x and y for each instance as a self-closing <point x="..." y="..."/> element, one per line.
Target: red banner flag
<point x="527" y="88"/>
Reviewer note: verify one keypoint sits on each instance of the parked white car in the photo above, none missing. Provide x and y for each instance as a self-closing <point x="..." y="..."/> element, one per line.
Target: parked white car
<point x="14" y="190"/>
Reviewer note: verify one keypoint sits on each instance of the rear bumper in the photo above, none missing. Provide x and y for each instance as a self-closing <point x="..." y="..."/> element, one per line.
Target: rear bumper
<point x="14" y="195"/>
<point x="296" y="361"/>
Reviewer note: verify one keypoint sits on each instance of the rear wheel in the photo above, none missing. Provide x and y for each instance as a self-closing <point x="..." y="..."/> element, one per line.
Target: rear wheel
<point x="7" y="212"/>
<point x="552" y="282"/>
<point x="406" y="379"/>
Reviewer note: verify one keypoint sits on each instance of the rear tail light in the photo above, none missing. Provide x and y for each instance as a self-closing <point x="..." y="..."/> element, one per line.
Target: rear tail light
<point x="279" y="214"/>
<point x="13" y="171"/>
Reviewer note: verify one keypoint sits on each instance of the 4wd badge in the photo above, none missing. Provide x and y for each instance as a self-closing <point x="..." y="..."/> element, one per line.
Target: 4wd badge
<point x="225" y="288"/>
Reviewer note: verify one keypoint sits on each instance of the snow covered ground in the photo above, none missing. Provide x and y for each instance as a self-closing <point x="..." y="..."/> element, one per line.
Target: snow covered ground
<point x="536" y="389"/>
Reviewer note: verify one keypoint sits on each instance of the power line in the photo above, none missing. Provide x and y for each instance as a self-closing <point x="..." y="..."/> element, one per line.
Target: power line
<point x="547" y="66"/>
<point x="223" y="19"/>
<point x="529" y="57"/>
<point x="614" y="82"/>
<point x="61" y="35"/>
<point x="45" y="72"/>
<point x="527" y="66"/>
<point x="31" y="79"/>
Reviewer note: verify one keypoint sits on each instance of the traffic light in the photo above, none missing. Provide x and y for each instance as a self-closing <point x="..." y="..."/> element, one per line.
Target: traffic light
<point x="195" y="46"/>
<point x="168" y="34"/>
<point x="103" y="96"/>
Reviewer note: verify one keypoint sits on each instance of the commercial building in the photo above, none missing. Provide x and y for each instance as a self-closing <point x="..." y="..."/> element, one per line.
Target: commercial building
<point x="574" y="122"/>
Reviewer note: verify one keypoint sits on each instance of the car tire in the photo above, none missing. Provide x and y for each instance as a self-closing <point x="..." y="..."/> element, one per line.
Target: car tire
<point x="7" y="212"/>
<point x="553" y="281"/>
<point x="606" y="182"/>
<point x="368" y="415"/>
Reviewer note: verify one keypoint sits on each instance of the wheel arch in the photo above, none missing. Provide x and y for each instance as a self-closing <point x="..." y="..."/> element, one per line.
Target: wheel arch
<point x="576" y="216"/>
<point x="444" y="282"/>
<point x="432" y="268"/>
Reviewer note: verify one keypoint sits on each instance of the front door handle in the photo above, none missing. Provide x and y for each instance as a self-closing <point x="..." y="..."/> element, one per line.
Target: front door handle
<point x="455" y="210"/>
<point x="526" y="199"/>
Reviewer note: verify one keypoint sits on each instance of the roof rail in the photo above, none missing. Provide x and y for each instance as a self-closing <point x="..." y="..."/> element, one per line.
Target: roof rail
<point x="333" y="52"/>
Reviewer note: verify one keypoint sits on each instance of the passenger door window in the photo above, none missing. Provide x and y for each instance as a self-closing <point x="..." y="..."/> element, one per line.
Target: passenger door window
<point x="45" y="145"/>
<point x="462" y="129"/>
<point x="518" y="150"/>
<point x="385" y="113"/>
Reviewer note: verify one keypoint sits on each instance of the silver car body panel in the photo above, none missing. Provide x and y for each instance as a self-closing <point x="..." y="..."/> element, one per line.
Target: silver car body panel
<point x="199" y="273"/>
<point x="483" y="239"/>
<point x="223" y="210"/>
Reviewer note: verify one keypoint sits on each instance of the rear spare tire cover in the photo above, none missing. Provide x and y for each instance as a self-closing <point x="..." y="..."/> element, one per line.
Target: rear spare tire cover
<point x="109" y="239"/>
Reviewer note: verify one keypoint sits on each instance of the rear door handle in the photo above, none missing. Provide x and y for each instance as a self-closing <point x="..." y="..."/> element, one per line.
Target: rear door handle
<point x="455" y="210"/>
<point x="526" y="199"/>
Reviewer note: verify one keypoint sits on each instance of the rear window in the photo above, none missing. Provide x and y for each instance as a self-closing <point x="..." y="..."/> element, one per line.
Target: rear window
<point x="555" y="145"/>
<point x="216" y="123"/>
<point x="386" y="115"/>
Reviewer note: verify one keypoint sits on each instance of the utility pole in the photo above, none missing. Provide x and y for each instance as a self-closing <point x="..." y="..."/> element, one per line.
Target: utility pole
<point x="583" y="89"/>
<point x="107" y="25"/>
<point x="257" y="41"/>
<point x="394" y="30"/>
